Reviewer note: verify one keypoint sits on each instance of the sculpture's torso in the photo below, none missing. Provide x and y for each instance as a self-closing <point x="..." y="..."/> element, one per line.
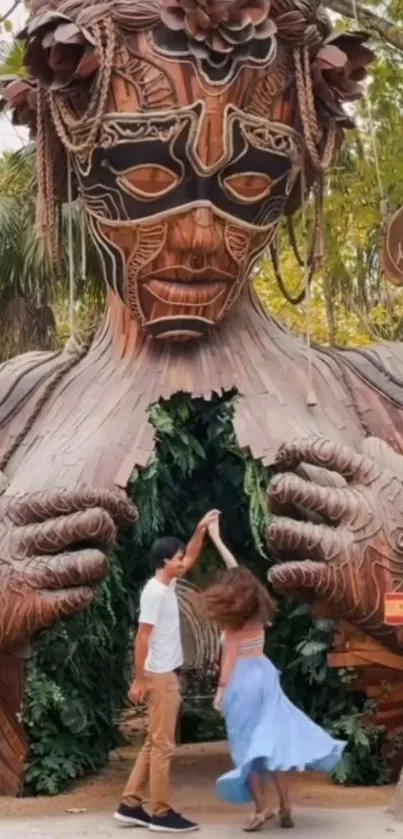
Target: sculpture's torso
<point x="93" y="426"/>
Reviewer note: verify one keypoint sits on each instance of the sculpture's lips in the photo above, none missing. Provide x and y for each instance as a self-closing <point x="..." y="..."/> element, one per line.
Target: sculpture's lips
<point x="184" y="293"/>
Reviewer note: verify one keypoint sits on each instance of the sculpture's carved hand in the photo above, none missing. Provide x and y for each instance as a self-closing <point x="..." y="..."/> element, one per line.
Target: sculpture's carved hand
<point x="357" y="554"/>
<point x="51" y="555"/>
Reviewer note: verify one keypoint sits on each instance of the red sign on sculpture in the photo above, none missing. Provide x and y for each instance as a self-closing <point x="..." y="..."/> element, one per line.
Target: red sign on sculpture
<point x="394" y="608"/>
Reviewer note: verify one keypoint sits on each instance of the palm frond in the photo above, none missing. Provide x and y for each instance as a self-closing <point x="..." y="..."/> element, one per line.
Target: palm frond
<point x="11" y="58"/>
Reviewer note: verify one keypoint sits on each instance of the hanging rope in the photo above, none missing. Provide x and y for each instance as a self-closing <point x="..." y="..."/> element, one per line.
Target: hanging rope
<point x="292" y="238"/>
<point x="311" y="395"/>
<point x="320" y="161"/>
<point x="83" y="242"/>
<point x="314" y="249"/>
<point x="306" y="101"/>
<point x="70" y="246"/>
<point x="79" y="134"/>
<point x="56" y="123"/>
<point x="47" y="211"/>
<point x="315" y="252"/>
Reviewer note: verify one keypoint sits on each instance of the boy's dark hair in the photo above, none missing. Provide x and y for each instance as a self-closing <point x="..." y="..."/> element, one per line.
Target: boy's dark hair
<point x="164" y="549"/>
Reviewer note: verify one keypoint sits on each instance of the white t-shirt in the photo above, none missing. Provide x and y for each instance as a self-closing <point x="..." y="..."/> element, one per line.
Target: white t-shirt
<point x="159" y="607"/>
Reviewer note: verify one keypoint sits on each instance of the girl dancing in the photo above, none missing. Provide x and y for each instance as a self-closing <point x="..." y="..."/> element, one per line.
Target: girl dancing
<point x="267" y="734"/>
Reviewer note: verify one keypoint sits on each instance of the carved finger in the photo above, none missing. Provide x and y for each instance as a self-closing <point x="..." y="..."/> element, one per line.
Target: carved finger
<point x="93" y="526"/>
<point x="78" y="568"/>
<point x="305" y="579"/>
<point x="333" y="504"/>
<point x="319" y="451"/>
<point x="47" y="504"/>
<point x="315" y="541"/>
<point x="55" y="605"/>
<point x="39" y="610"/>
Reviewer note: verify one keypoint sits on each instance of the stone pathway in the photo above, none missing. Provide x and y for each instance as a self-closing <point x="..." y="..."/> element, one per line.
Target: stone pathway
<point x="371" y="823"/>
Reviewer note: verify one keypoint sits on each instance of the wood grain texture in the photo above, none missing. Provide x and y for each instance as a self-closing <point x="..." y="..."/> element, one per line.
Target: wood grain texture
<point x="379" y="675"/>
<point x="13" y="742"/>
<point x="43" y="576"/>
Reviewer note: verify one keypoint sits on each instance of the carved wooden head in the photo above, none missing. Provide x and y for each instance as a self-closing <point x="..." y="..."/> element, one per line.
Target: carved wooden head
<point x="188" y="123"/>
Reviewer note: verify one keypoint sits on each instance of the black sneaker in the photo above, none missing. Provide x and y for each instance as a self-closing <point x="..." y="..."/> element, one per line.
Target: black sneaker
<point x="172" y="822"/>
<point x="132" y="816"/>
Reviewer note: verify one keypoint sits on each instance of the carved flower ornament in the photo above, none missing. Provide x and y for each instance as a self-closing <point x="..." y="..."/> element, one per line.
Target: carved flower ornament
<point x="217" y="29"/>
<point x="18" y="96"/>
<point x="58" y="51"/>
<point x="60" y="47"/>
<point x="338" y="70"/>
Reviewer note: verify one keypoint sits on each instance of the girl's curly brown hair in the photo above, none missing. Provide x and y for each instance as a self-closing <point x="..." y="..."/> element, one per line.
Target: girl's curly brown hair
<point x="237" y="598"/>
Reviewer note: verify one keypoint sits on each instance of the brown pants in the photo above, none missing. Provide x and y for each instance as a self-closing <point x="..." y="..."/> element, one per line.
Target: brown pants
<point x="153" y="765"/>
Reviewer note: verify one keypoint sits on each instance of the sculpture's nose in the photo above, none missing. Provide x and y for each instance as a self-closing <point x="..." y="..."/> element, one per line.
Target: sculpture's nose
<point x="196" y="234"/>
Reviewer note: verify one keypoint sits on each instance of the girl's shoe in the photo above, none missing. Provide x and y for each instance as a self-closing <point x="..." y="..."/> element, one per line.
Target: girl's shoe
<point x="258" y="820"/>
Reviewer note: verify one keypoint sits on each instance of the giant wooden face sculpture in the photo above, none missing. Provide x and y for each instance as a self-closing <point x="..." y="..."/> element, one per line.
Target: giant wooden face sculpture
<point x="186" y="122"/>
<point x="184" y="190"/>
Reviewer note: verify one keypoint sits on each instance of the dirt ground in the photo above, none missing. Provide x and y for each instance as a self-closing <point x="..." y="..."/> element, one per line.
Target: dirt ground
<point x="195" y="770"/>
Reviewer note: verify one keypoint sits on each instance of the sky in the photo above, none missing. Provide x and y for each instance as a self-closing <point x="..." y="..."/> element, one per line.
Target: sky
<point x="10" y="136"/>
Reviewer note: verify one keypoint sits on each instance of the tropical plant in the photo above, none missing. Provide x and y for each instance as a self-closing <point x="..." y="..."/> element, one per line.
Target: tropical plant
<point x="350" y="302"/>
<point x="34" y="293"/>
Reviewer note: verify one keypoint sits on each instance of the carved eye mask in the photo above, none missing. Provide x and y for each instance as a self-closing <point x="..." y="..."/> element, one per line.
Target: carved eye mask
<point x="148" y="164"/>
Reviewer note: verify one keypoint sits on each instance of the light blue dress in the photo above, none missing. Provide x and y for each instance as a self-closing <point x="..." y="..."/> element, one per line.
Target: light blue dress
<point x="266" y="732"/>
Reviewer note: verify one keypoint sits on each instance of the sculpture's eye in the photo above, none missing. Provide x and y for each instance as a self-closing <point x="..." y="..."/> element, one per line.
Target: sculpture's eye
<point x="248" y="187"/>
<point x="148" y="182"/>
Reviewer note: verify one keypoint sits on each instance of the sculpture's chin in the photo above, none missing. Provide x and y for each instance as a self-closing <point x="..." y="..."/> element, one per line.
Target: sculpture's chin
<point x="179" y="328"/>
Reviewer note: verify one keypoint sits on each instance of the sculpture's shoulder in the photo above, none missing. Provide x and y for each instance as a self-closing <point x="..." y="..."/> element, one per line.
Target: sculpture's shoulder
<point x="374" y="378"/>
<point x="26" y="382"/>
<point x="380" y="366"/>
